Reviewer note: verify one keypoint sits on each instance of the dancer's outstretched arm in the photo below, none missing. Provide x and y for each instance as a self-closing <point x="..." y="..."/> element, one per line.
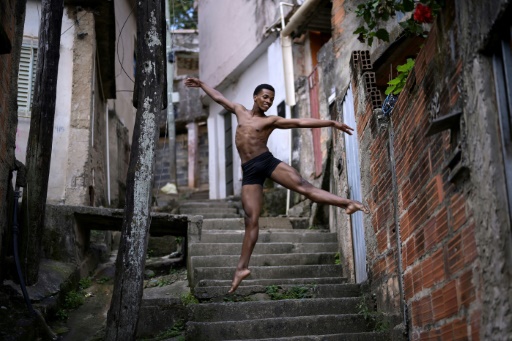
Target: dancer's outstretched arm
<point x="287" y="123"/>
<point x="214" y="94"/>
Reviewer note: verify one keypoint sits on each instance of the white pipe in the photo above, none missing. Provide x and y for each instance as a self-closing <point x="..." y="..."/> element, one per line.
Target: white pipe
<point x="299" y="16"/>
<point x="289" y="78"/>
<point x="108" y="154"/>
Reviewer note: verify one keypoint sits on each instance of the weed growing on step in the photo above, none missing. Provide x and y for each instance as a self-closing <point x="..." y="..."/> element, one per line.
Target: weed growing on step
<point x="373" y="318"/>
<point x="296" y="292"/>
<point x="73" y="299"/>
<point x="176" y="330"/>
<point x="84" y="283"/>
<point x="337" y="260"/>
<point x="188" y="298"/>
<point x="103" y="280"/>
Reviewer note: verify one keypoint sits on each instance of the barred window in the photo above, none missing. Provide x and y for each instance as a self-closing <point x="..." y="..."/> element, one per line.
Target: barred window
<point x="26" y="78"/>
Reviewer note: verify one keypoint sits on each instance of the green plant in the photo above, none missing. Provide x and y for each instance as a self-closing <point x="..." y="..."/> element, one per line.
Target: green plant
<point x="372" y="316"/>
<point x="337" y="260"/>
<point x="103" y="280"/>
<point x="375" y="13"/>
<point x="73" y="299"/>
<point x="176" y="330"/>
<point x="62" y="314"/>
<point x="84" y="283"/>
<point x="397" y="84"/>
<point x="188" y="298"/>
<point x="179" y="240"/>
<point x="296" y="292"/>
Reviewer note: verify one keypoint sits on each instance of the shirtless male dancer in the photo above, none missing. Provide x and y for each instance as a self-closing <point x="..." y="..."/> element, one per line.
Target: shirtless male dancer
<point x="252" y="132"/>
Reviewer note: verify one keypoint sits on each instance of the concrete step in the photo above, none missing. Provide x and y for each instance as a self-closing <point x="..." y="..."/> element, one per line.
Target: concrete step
<point x="272" y="272"/>
<point x="305" y="236"/>
<point x="264" y="223"/>
<point x="266" y="260"/>
<point x="206" y="249"/>
<point x="368" y="336"/>
<point x="208" y="203"/>
<point x="207" y="210"/>
<point x="214" y="312"/>
<point x="276" y="327"/>
<point x="259" y="292"/>
<point x="218" y="215"/>
<point x="266" y="282"/>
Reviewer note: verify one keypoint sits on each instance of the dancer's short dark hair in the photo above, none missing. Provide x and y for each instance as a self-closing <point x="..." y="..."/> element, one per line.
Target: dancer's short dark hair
<point x="263" y="86"/>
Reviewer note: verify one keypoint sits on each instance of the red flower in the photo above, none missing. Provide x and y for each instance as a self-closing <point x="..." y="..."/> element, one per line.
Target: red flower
<point x="423" y="14"/>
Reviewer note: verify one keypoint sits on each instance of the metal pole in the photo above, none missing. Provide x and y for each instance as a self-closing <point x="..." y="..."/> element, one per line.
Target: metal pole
<point x="171" y="128"/>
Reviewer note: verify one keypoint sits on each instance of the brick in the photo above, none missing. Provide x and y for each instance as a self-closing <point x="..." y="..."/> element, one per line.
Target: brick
<point x="382" y="240"/>
<point x="427" y="269"/>
<point x="475" y="325"/>
<point x="466" y="288"/>
<point x="408" y="286"/>
<point x="469" y="243"/>
<point x="422" y="312"/>
<point x="441" y="225"/>
<point x="419" y="243"/>
<point x="454" y="254"/>
<point x="417" y="278"/>
<point x="458" y="211"/>
<point x="445" y="301"/>
<point x="438" y="272"/>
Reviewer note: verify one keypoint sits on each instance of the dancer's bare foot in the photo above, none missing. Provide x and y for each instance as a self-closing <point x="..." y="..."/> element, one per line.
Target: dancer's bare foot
<point x="237" y="279"/>
<point x="355" y="206"/>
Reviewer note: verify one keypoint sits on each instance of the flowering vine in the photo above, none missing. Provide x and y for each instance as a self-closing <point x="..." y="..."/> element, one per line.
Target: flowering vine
<point x="376" y="12"/>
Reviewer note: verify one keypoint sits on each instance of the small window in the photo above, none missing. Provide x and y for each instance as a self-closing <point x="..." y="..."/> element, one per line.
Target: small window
<point x="26" y="78"/>
<point x="281" y="109"/>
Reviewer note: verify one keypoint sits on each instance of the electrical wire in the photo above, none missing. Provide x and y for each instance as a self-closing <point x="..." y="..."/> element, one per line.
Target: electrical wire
<point x="76" y="23"/>
<point x="117" y="47"/>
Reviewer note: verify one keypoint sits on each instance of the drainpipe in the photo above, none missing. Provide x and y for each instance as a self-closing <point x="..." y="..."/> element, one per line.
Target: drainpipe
<point x="107" y="152"/>
<point x="286" y="44"/>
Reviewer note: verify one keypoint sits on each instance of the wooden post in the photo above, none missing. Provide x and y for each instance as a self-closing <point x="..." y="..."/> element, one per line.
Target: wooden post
<point x="150" y="76"/>
<point x="39" y="148"/>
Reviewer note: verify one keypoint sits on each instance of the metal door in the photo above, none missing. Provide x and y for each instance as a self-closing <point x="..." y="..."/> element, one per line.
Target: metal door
<point x="354" y="185"/>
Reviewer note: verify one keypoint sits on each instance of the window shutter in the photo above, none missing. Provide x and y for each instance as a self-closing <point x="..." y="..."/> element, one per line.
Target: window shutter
<point x="26" y="79"/>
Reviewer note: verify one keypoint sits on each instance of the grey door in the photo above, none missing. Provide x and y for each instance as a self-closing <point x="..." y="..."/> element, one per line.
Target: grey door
<point x="354" y="185"/>
<point x="228" y="140"/>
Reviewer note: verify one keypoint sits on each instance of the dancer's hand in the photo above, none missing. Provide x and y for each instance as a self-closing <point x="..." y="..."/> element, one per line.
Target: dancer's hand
<point x="193" y="82"/>
<point x="343" y="127"/>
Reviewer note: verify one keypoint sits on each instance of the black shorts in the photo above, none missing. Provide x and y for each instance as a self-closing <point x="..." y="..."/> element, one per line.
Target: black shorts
<point x="256" y="170"/>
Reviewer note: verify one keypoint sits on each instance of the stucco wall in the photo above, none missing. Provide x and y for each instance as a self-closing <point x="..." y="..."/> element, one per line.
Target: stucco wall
<point x="224" y="47"/>
<point x="56" y="183"/>
<point x="267" y="68"/>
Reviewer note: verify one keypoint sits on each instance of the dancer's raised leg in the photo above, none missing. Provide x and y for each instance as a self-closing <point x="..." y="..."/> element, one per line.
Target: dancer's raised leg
<point x="252" y="197"/>
<point x="288" y="177"/>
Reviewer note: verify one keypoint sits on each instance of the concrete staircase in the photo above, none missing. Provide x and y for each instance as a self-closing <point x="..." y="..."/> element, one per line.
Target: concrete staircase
<point x="210" y="209"/>
<point x="297" y="264"/>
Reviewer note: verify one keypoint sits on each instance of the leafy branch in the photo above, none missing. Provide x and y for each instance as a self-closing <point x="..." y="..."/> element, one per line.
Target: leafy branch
<point x="376" y="13"/>
<point x="397" y="84"/>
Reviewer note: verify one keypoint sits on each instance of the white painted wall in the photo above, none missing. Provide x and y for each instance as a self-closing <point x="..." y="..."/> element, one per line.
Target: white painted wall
<point x="125" y="47"/>
<point x="267" y="68"/>
<point x="56" y="183"/>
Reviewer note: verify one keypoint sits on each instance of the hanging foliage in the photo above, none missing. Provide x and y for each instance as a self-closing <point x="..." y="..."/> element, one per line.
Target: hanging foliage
<point x="183" y="14"/>
<point x="376" y="13"/>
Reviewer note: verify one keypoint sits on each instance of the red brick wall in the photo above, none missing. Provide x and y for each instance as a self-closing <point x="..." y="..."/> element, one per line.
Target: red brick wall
<point x="441" y="276"/>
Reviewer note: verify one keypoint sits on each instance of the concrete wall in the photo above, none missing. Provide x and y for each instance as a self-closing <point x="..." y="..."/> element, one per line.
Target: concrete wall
<point x="267" y="68"/>
<point x="79" y="165"/>
<point x="226" y="46"/>
<point x="56" y="183"/>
